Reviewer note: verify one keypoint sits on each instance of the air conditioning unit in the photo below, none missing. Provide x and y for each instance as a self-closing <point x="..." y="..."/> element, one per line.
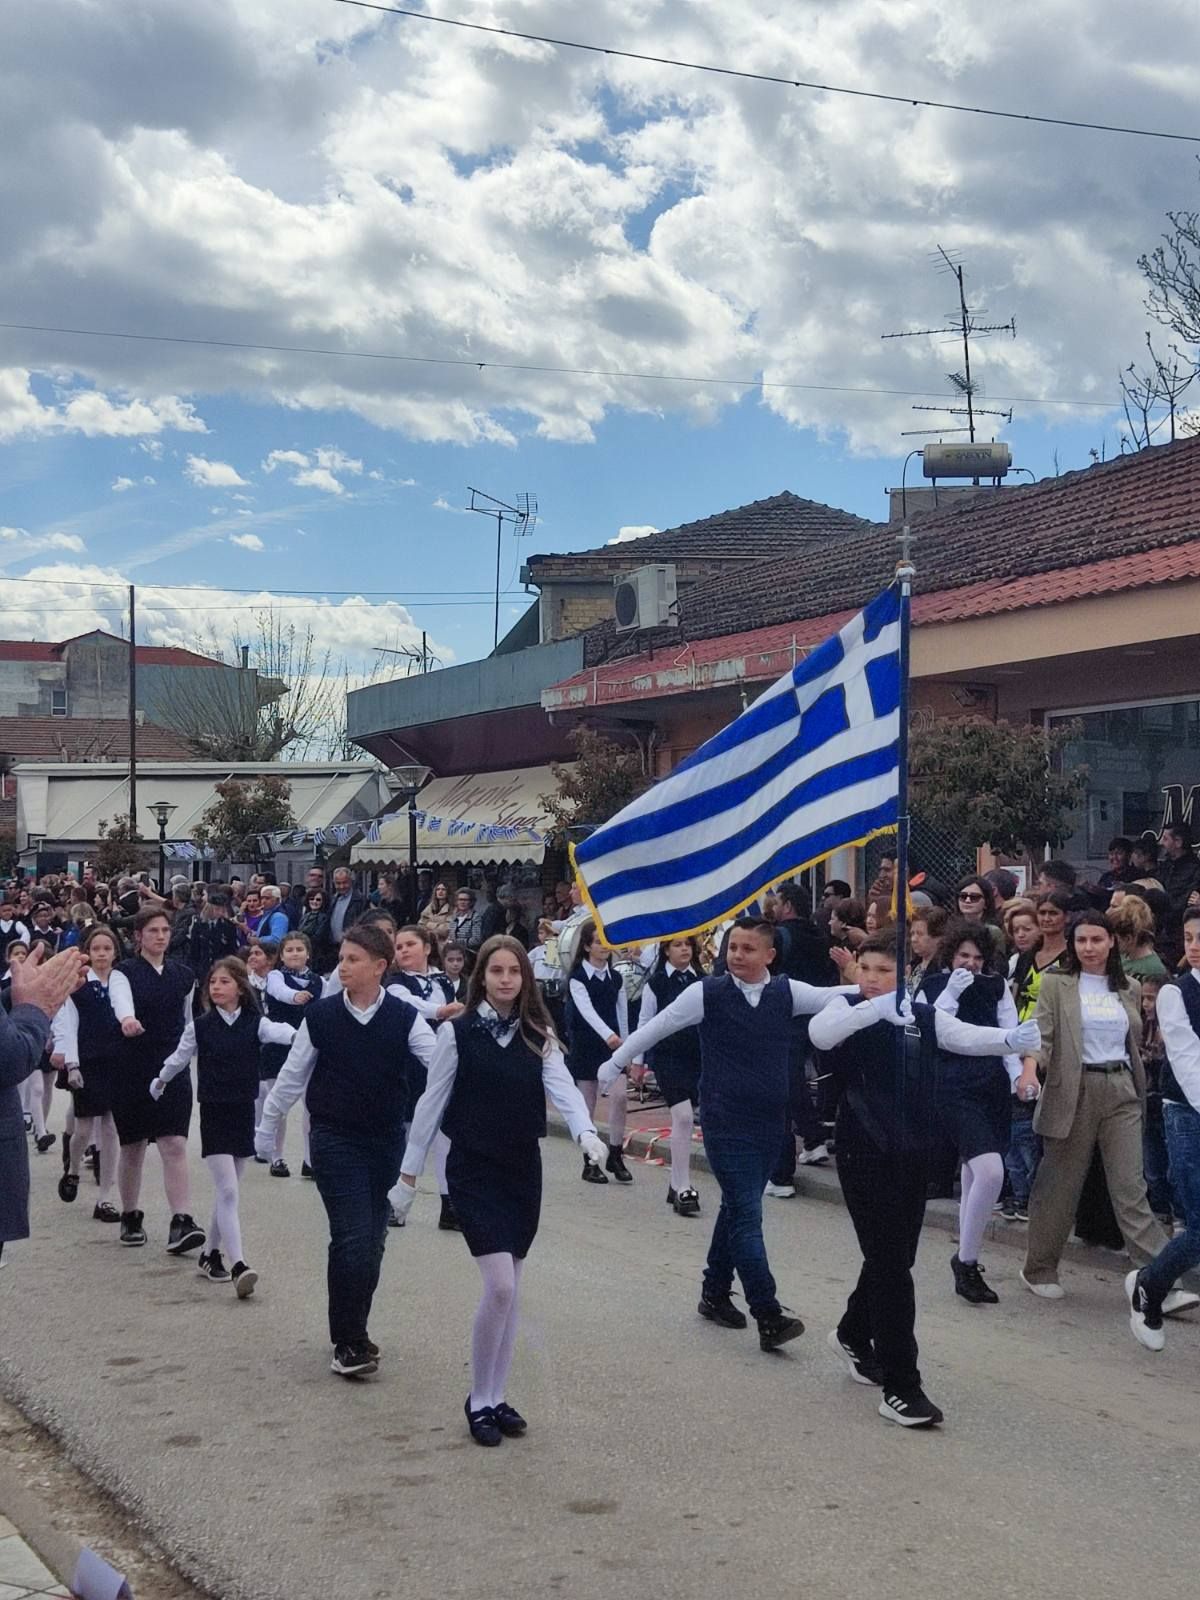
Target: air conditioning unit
<point x="646" y="598"/>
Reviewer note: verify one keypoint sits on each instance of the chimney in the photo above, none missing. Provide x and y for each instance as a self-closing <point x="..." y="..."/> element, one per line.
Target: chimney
<point x="245" y="658"/>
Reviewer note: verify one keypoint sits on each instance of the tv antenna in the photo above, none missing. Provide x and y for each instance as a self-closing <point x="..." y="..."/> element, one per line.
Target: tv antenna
<point x="522" y="518"/>
<point x="964" y="324"/>
<point x="422" y="660"/>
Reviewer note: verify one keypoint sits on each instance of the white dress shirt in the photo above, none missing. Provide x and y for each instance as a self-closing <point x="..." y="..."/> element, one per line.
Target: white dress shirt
<point x="1006" y="1018"/>
<point x="1180" y="1038"/>
<point x="64" y="1029"/>
<point x="302" y="1058"/>
<point x="840" y="1020"/>
<point x="585" y="1008"/>
<point x="431" y="1107"/>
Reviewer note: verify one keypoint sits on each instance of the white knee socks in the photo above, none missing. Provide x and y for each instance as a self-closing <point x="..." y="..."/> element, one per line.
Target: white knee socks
<point x="982" y="1181"/>
<point x="618" y="1099"/>
<point x="441" y="1149"/>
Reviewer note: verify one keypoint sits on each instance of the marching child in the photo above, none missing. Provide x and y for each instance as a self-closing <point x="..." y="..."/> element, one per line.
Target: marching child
<point x="37" y="1091"/>
<point x="432" y="994"/>
<point x="290" y="986"/>
<point x="597" y="1021"/>
<point x="225" y="1040"/>
<point x="491" y="1071"/>
<point x="88" y="1042"/>
<point x="675" y="1062"/>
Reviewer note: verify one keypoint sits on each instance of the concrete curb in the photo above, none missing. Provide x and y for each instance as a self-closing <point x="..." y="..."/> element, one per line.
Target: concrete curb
<point x="56" y="1549"/>
<point x="821" y="1183"/>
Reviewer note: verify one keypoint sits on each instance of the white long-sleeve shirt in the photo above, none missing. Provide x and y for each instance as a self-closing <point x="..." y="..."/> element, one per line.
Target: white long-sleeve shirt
<point x="302" y="1058"/>
<point x="840" y="1020"/>
<point x="64" y="1028"/>
<point x="688" y="1012"/>
<point x="587" y="1010"/>
<point x="278" y="988"/>
<point x="1006" y="1018"/>
<point x="431" y="1107"/>
<point x="1180" y="1038"/>
<point x="426" y="1006"/>
<point x="184" y="1052"/>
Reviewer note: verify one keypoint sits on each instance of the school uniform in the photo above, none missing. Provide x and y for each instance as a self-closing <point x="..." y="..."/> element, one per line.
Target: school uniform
<point x="87" y="1034"/>
<point x="487" y="1093"/>
<point x="974" y="1093"/>
<point x="276" y="986"/>
<point x="225" y="1046"/>
<point x="675" y="1061"/>
<point x="1179" y="1019"/>
<point x="597" y="1008"/>
<point x="162" y="1003"/>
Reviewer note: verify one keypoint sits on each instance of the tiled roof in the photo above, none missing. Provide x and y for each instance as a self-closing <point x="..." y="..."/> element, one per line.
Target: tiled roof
<point x="149" y="655"/>
<point x="1129" y="506"/>
<point x="745" y="533"/>
<point x="87" y="739"/>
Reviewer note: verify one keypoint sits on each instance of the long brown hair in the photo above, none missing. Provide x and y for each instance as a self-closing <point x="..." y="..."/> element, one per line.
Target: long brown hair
<point x="537" y="1030"/>
<point x="240" y="973"/>
<point x="1114" y="970"/>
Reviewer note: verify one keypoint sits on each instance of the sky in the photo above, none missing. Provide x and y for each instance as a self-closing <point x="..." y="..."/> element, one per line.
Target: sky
<point x="315" y="174"/>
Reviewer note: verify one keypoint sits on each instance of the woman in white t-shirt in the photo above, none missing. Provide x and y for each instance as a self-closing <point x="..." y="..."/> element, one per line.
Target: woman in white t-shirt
<point x="1092" y="1095"/>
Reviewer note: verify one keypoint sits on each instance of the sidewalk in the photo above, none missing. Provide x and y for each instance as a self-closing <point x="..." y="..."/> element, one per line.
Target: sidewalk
<point x="21" y="1573"/>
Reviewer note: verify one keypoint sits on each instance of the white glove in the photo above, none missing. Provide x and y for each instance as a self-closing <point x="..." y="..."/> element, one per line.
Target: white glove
<point x="889" y="1008"/>
<point x="594" y="1148"/>
<point x="157" y="1088"/>
<point x="1025" y="1039"/>
<point x="401" y="1197"/>
<point x="608" y="1075"/>
<point x="264" y="1144"/>
<point x="959" y="980"/>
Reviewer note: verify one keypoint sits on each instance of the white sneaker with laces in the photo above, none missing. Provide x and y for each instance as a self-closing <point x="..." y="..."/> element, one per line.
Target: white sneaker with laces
<point x="781" y="1191"/>
<point x="817" y="1157"/>
<point x="1045" y="1291"/>
<point x="1179" y="1300"/>
<point x="1151" y="1338"/>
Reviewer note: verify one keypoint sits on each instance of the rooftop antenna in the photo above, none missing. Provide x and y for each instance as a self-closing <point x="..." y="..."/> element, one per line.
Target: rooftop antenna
<point x="523" y="518"/>
<point x="964" y="323"/>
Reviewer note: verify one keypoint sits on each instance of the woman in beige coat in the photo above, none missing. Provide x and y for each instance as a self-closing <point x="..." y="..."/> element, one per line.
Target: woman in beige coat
<point x="1092" y="1096"/>
<point x="438" y="914"/>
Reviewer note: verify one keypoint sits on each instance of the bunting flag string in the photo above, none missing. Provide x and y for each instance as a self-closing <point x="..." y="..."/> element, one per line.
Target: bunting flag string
<point x="340" y="833"/>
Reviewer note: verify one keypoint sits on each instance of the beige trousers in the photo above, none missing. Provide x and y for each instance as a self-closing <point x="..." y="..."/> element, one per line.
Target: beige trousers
<point x="1109" y="1115"/>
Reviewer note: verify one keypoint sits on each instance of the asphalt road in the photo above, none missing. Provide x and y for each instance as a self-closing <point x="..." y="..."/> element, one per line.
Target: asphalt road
<point x="664" y="1456"/>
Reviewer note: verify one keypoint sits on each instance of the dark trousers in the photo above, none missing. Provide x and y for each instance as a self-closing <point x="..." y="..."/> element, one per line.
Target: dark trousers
<point x="741" y="1164"/>
<point x="802" y="1118"/>
<point x="353" y="1176"/>
<point x="1182" y="1125"/>
<point x="885" y="1196"/>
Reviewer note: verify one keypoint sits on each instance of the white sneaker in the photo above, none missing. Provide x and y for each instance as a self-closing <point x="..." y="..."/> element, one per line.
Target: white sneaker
<point x="1046" y="1291"/>
<point x="817" y="1157"/>
<point x="1179" y="1300"/>
<point x="781" y="1191"/>
<point x="1151" y="1338"/>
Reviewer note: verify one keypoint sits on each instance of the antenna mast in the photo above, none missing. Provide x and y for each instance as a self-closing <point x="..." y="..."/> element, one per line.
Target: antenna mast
<point x="522" y="516"/>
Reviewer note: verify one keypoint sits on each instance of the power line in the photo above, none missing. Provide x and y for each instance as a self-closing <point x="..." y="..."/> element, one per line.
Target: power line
<point x="79" y="611"/>
<point x="514" y="366"/>
<point x="220" y="589"/>
<point x="766" y="77"/>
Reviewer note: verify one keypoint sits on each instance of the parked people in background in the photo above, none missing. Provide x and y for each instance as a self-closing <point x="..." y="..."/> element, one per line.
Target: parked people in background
<point x="925" y="934"/>
<point x="1043" y="956"/>
<point x="1120" y="868"/>
<point x="1133" y="924"/>
<point x="1179" y="874"/>
<point x="848" y="923"/>
<point x="214" y="935"/>
<point x="975" y="900"/>
<point x="438" y="913"/>
<point x="274" y="922"/>
<point x="1055" y="875"/>
<point x="347" y="905"/>
<point x="466" y="926"/>
<point x="1005" y="885"/>
<point x="316" y="927"/>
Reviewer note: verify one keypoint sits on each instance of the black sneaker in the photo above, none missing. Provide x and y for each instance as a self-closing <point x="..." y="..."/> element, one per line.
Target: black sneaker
<point x="968" y="1282"/>
<point x="45" y="1142"/>
<point x="1008" y="1209"/>
<point x="510" y="1421"/>
<point x="132" y="1232"/>
<point x="68" y="1187"/>
<point x="280" y="1169"/>
<point x="1021" y="1211"/>
<point x="720" y="1308"/>
<point x="184" y="1234"/>
<point x="592" y="1172"/>
<point x="687" y="1203"/>
<point x="244" y="1279"/>
<point x="211" y="1266"/>
<point x="861" y="1365"/>
<point x="483" y="1425"/>
<point x="353" y="1361"/>
<point x="306" y="1171"/>
<point x="911" y="1410"/>
<point x="616" y="1165"/>
<point x="371" y="1348"/>
<point x="446" y="1218"/>
<point x="776" y="1329"/>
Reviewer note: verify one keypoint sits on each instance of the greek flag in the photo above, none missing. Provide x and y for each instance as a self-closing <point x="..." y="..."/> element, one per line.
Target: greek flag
<point x="811" y="767"/>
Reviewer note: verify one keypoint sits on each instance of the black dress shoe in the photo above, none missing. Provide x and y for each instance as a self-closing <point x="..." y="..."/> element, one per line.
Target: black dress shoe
<point x="306" y="1171"/>
<point x="66" y="1153"/>
<point x="45" y="1142"/>
<point x="777" y="1329"/>
<point x="616" y="1165"/>
<point x="68" y="1187"/>
<point x="969" y="1282"/>
<point x="591" y="1172"/>
<point x="510" y="1422"/>
<point x="672" y="1195"/>
<point x="448" y="1220"/>
<point x="483" y="1425"/>
<point x="720" y="1308"/>
<point x="687" y="1203"/>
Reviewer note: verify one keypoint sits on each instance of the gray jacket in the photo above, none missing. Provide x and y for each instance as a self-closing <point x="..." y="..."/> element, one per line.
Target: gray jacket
<point x="23" y="1035"/>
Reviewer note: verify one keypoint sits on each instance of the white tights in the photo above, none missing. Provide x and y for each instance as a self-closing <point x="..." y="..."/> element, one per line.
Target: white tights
<point x="225" y="1228"/>
<point x="494" y="1335"/>
<point x="37" y="1096"/>
<point x="682" y="1122"/>
<point x="441" y="1149"/>
<point x="102" y="1132"/>
<point x="982" y="1179"/>
<point x="172" y="1152"/>
<point x="265" y="1085"/>
<point x="618" y="1102"/>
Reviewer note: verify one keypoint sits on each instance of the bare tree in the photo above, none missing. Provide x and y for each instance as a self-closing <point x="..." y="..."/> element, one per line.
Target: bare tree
<point x="1150" y="397"/>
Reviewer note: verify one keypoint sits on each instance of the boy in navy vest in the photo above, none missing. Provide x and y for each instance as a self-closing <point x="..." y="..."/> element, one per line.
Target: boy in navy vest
<point x="885" y="1133"/>
<point x="1151" y="1291"/>
<point x="745" y="1023"/>
<point x="358" y="1058"/>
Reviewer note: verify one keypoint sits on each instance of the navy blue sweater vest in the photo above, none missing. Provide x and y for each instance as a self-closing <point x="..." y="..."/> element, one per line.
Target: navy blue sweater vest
<point x="226" y="1058"/>
<point x="587" y="1048"/>
<point x="272" y="1056"/>
<point x="1190" y="990"/>
<point x="363" y="1080"/>
<point x="158" y="1003"/>
<point x="978" y="1005"/>
<point x="744" y="1052"/>
<point x="682" y="1050"/>
<point x="887" y="1098"/>
<point x="100" y="1036"/>
<point x="498" y="1102"/>
<point x="433" y="986"/>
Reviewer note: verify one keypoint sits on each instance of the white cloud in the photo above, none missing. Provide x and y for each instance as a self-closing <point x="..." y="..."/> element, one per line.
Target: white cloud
<point x="152" y="447"/>
<point x="149" y="481"/>
<point x="18" y="544"/>
<point x="242" y="512"/>
<point x="319" y="478"/>
<point x="284" y="458"/>
<point x="247" y="541"/>
<point x="207" y="474"/>
<point x="632" y="531"/>
<point x="119" y="485"/>
<point x="442" y="504"/>
<point x="87" y="411"/>
<point x="316" y="470"/>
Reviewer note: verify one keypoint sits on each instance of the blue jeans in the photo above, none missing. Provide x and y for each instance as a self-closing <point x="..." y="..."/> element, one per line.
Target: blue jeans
<point x="1182" y="1126"/>
<point x="353" y="1176"/>
<point x="1157" y="1167"/>
<point x="741" y="1164"/>
<point x="1021" y="1159"/>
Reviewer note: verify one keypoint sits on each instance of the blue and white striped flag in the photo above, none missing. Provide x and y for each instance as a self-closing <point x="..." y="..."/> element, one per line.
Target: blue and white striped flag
<point x="811" y="767"/>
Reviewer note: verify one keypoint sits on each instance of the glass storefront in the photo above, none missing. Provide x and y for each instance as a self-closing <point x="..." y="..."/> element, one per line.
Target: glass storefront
<point x="1143" y="766"/>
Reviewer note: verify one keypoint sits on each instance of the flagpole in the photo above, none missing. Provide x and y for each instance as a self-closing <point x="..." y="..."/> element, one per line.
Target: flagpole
<point x="905" y="574"/>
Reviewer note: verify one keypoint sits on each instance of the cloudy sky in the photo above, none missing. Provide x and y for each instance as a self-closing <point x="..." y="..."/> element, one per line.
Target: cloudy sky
<point x="309" y="173"/>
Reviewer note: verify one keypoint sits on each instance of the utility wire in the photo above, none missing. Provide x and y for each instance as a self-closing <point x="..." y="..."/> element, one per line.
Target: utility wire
<point x="766" y="77"/>
<point x="220" y="588"/>
<point x="513" y="366"/>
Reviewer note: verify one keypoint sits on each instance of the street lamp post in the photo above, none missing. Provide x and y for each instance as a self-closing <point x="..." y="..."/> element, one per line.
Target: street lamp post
<point x="162" y="811"/>
<point x="411" y="780"/>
